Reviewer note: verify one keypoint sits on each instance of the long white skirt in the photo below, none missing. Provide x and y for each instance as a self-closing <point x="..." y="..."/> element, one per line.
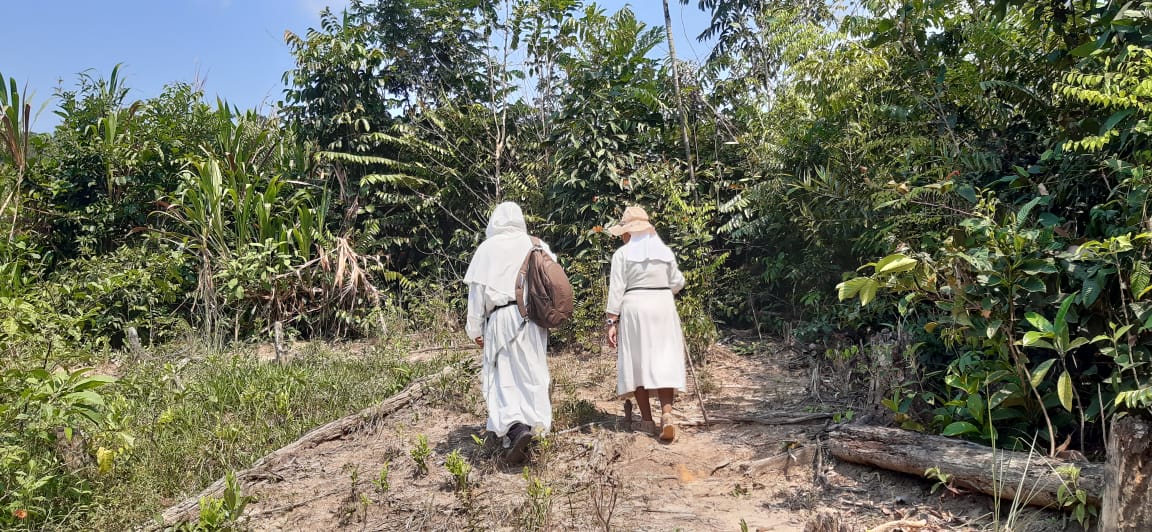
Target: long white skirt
<point x="650" y="349"/>
<point x="514" y="374"/>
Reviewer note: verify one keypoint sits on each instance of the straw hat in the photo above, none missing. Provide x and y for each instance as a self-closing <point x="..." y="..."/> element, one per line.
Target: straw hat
<point x="635" y="220"/>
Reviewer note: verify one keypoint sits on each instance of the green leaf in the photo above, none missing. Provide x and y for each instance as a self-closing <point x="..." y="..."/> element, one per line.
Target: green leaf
<point x="1062" y="314"/>
<point x="1077" y="342"/>
<point x="1037" y="339"/>
<point x="1041" y="371"/>
<point x="1115" y="119"/>
<point x="868" y="292"/>
<point x="959" y="427"/>
<point x="1140" y="279"/>
<point x="94" y="381"/>
<point x="85" y="397"/>
<point x="1064" y="390"/>
<point x="1091" y="291"/>
<point x="895" y="263"/>
<point x="1039" y="322"/>
<point x="999" y="397"/>
<point x="976" y="407"/>
<point x="968" y="193"/>
<point x="1086" y="49"/>
<point x="992" y="328"/>
<point x="1036" y="266"/>
<point x="1033" y="284"/>
<point x="848" y="289"/>
<point x="1022" y="214"/>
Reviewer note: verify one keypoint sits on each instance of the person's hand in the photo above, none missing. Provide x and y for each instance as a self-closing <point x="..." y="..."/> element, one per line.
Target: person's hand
<point x="612" y="336"/>
<point x="479" y="341"/>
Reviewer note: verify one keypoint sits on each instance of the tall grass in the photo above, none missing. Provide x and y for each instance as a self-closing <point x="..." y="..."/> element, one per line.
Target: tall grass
<point x="197" y="420"/>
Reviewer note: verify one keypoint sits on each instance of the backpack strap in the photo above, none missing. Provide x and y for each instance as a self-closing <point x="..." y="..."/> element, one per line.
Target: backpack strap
<point x="521" y="276"/>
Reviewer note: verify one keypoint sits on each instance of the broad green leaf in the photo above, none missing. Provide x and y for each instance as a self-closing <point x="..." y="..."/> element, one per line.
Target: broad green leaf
<point x="1140" y="279"/>
<point x="1077" y="342"/>
<point x="868" y="292"/>
<point x="968" y="193"/>
<point x="1115" y="119"/>
<point x="999" y="397"/>
<point x="992" y="328"/>
<point x="1064" y="390"/>
<point x="959" y="427"/>
<point x="1041" y="371"/>
<point x="1039" y="322"/>
<point x="1037" y="339"/>
<point x="976" y="407"/>
<point x="1091" y="291"/>
<point x="1062" y="314"/>
<point x="1036" y="266"/>
<point x="848" y="289"/>
<point x="1022" y="214"/>
<point x="94" y="381"/>
<point x="1033" y="284"/>
<point x="1086" y="49"/>
<point x="86" y="397"/>
<point x="895" y="263"/>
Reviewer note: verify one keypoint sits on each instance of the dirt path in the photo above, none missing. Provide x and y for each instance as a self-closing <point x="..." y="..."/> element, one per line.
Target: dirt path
<point x="596" y="475"/>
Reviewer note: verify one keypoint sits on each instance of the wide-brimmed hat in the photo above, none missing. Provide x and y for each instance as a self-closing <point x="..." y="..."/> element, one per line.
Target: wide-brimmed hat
<point x="635" y="220"/>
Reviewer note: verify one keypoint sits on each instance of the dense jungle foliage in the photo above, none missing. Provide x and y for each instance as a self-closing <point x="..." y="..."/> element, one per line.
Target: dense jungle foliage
<point x="971" y="176"/>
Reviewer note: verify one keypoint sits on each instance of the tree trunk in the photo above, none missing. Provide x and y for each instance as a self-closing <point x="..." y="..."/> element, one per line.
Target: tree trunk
<point x="679" y="97"/>
<point x="991" y="471"/>
<point x="188" y="509"/>
<point x="1128" y="476"/>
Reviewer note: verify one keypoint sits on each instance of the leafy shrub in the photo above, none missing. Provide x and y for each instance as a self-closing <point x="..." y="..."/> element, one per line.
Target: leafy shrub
<point x="1007" y="365"/>
<point x="46" y="418"/>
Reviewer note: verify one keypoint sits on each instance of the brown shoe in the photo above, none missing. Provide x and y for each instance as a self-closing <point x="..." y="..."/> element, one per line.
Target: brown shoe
<point x="518" y="452"/>
<point x="668" y="428"/>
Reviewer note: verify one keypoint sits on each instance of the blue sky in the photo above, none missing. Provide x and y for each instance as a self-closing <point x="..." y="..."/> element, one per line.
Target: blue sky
<point x="235" y="47"/>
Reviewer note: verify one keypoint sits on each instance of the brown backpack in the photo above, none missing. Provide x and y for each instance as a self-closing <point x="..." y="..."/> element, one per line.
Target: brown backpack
<point x="543" y="292"/>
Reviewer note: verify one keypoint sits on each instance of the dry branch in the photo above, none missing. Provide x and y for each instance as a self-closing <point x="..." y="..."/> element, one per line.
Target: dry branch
<point x="189" y="508"/>
<point x="780" y="462"/>
<point x="994" y="472"/>
<point x="760" y="420"/>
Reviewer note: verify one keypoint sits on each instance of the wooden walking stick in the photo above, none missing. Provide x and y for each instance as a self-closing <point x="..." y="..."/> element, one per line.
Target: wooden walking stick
<point x="696" y="383"/>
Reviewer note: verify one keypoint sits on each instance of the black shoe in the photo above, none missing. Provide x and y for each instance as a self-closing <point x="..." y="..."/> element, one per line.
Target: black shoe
<point x="520" y="436"/>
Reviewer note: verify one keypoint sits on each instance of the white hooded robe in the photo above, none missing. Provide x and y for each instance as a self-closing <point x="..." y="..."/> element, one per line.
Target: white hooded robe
<point x="514" y="372"/>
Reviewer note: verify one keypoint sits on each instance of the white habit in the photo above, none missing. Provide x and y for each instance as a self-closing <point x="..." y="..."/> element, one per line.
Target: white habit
<point x="514" y="371"/>
<point x="650" y="348"/>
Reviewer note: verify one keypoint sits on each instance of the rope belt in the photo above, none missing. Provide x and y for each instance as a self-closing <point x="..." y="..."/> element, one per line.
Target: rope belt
<point x="647" y="288"/>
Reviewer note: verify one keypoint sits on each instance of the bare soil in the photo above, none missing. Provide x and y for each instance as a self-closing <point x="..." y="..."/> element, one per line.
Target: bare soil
<point x="594" y="474"/>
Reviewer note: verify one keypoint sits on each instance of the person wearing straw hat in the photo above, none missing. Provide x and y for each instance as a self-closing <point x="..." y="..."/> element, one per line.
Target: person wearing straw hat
<point x="514" y="370"/>
<point x="642" y="321"/>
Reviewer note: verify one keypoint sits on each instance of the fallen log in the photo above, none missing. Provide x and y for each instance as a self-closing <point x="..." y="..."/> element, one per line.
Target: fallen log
<point x="189" y="509"/>
<point x="999" y="473"/>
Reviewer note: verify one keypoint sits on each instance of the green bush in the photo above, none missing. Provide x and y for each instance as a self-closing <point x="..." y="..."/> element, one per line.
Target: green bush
<point x="47" y="419"/>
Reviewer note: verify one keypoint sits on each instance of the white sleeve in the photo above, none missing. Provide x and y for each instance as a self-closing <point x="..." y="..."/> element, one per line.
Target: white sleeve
<point x="477" y="311"/>
<point x="617" y="283"/>
<point x="675" y="278"/>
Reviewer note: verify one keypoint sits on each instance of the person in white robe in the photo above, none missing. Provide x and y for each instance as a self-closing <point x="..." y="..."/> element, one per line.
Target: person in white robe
<point x="642" y="321"/>
<point x="514" y="371"/>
